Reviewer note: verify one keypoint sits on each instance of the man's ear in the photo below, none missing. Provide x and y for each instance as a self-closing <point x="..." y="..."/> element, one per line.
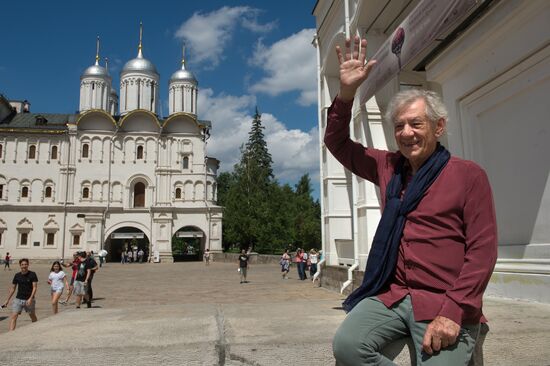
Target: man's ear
<point x="440" y="127"/>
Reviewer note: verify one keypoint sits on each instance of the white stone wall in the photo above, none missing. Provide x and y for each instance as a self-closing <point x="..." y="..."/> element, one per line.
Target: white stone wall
<point x="138" y="91"/>
<point x="182" y="97"/>
<point x="94" y="94"/>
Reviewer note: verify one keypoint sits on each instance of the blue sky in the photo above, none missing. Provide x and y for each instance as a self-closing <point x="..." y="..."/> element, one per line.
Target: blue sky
<point x="243" y="53"/>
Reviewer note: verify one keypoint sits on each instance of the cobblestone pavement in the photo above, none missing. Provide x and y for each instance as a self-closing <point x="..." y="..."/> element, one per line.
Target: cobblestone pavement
<point x="190" y="314"/>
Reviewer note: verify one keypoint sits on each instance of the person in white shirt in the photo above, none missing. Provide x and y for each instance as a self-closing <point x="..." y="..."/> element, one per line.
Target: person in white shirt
<point x="58" y="281"/>
<point x="313" y="260"/>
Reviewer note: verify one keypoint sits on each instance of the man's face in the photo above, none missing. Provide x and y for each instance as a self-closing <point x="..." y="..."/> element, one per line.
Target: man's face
<point x="415" y="135"/>
<point x="24" y="266"/>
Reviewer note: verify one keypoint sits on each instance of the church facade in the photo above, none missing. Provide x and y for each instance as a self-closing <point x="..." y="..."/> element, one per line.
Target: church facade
<point x="115" y="176"/>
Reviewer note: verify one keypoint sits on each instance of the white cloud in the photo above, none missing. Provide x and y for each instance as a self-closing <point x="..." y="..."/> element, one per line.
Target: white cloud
<point x="208" y="34"/>
<point x="294" y="152"/>
<point x="290" y="64"/>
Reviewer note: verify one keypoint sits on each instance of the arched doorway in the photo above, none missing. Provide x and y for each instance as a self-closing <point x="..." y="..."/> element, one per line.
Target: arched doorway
<point x="125" y="238"/>
<point x="188" y="244"/>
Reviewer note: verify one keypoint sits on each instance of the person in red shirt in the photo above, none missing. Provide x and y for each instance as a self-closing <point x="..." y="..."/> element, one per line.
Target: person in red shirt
<point x="438" y="211"/>
<point x="74" y="265"/>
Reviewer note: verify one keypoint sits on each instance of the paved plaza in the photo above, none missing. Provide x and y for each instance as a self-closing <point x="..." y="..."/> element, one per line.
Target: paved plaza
<point x="189" y="314"/>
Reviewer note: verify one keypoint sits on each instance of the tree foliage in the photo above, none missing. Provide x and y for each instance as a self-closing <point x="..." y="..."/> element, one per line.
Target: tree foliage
<point x="260" y="213"/>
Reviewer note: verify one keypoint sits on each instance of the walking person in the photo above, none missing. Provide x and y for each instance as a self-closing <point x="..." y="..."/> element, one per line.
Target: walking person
<point x="285" y="264"/>
<point x="74" y="264"/>
<point x="102" y="256"/>
<point x="57" y="281"/>
<point x="7" y="260"/>
<point x="301" y="264"/>
<point x="81" y="281"/>
<point x="129" y="256"/>
<point x="313" y="260"/>
<point x="243" y="265"/>
<point x="436" y="244"/>
<point x="26" y="283"/>
<point x="92" y="264"/>
<point x="206" y="257"/>
<point x="140" y="255"/>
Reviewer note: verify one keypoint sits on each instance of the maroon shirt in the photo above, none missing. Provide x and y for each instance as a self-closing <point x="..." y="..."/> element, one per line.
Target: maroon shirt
<point x="449" y="244"/>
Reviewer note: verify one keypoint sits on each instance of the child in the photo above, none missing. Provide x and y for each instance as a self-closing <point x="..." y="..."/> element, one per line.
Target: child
<point x="57" y="280"/>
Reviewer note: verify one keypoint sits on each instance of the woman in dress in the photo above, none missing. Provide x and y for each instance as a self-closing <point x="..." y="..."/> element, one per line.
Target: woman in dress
<point x="57" y="281"/>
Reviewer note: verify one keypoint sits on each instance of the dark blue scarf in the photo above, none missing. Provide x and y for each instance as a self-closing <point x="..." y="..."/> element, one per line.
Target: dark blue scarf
<point x="385" y="246"/>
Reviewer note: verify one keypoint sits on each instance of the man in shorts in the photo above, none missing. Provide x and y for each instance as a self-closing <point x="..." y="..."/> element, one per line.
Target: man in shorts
<point x="26" y="283"/>
<point x="81" y="280"/>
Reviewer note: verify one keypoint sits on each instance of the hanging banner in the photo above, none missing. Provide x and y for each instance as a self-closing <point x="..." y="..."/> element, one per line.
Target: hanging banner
<point x="127" y="236"/>
<point x="428" y="22"/>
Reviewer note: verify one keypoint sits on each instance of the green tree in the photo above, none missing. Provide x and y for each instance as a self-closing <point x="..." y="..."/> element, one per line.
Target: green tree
<point x="307" y="221"/>
<point x="260" y="213"/>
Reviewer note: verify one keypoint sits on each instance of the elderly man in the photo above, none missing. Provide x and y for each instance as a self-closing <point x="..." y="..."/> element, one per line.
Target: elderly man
<point x="436" y="245"/>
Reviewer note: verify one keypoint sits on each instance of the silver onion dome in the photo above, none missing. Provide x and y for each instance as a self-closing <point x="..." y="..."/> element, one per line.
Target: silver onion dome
<point x="139" y="64"/>
<point x="95" y="71"/>
<point x="183" y="75"/>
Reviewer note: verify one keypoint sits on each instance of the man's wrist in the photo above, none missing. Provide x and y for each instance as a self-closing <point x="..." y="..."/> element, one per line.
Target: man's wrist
<point x="346" y="96"/>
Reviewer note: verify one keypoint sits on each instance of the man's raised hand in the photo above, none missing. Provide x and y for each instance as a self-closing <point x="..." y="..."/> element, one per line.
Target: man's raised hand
<point x="353" y="69"/>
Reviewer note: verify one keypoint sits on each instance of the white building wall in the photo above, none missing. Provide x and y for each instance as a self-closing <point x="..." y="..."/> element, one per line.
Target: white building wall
<point x="499" y="113"/>
<point x="37" y="215"/>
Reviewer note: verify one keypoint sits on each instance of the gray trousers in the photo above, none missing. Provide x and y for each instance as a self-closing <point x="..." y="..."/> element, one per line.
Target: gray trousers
<point x="371" y="326"/>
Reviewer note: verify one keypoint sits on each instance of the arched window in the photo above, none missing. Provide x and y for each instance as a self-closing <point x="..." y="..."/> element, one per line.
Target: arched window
<point x="48" y="192"/>
<point x="185" y="162"/>
<point x="139" y="152"/>
<point x="139" y="195"/>
<point x="85" y="150"/>
<point x="25" y="192"/>
<point x="86" y="193"/>
<point x="1" y="150"/>
<point x="178" y="193"/>
<point x="54" y="153"/>
<point x="32" y="152"/>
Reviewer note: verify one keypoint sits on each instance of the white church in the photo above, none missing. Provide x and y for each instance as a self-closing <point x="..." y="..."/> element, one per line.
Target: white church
<point x="114" y="176"/>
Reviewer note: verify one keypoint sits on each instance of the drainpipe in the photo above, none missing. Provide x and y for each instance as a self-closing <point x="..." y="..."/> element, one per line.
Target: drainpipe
<point x="206" y="136"/>
<point x="315" y="44"/>
<point x="350" y="277"/>
<point x="104" y="216"/>
<point x="66" y="194"/>
<point x="318" y="273"/>
<point x="346" y="17"/>
<point x="151" y="206"/>
<point x="353" y="185"/>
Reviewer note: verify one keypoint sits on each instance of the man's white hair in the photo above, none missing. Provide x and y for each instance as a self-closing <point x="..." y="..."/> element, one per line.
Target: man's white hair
<point x="435" y="109"/>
